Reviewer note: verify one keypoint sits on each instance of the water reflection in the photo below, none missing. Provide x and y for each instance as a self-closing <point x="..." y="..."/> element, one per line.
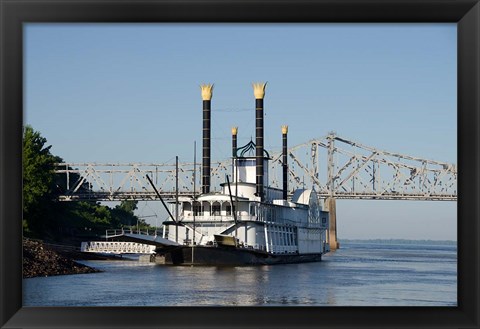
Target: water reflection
<point x="348" y="277"/>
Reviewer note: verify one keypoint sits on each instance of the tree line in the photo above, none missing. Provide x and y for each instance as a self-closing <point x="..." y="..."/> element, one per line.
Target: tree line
<point x="46" y="218"/>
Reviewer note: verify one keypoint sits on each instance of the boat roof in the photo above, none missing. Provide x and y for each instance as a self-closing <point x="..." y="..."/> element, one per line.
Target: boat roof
<point x="209" y="197"/>
<point x="248" y="151"/>
<point x="219" y="197"/>
<point x="302" y="196"/>
<point x="249" y="184"/>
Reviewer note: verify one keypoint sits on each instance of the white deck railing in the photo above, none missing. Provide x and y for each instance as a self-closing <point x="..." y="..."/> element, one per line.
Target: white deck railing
<point x="111" y="247"/>
<point x="123" y="231"/>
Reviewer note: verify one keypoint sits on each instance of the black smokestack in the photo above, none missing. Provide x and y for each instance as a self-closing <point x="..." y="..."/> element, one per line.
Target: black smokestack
<point x="284" y="161"/>
<point x="234" y="150"/>
<point x="207" y="90"/>
<point x="259" y="92"/>
<point x="234" y="141"/>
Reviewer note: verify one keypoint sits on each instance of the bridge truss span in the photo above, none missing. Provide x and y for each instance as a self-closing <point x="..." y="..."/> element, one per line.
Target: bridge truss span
<point x="115" y="181"/>
<point x="354" y="171"/>
<point x="334" y="166"/>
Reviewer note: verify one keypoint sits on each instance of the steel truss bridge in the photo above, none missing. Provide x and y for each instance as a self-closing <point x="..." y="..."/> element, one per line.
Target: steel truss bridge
<point x="335" y="167"/>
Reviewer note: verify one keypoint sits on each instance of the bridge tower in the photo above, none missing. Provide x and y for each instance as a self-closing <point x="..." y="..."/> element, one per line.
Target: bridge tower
<point x="331" y="205"/>
<point x="330" y="202"/>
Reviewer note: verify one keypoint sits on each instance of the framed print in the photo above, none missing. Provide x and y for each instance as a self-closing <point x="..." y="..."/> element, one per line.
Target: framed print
<point x="37" y="37"/>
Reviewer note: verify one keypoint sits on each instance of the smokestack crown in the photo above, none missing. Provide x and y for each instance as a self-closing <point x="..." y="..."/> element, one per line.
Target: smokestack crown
<point x="259" y="90"/>
<point x="234" y="131"/>
<point x="207" y="90"/>
<point x="284" y="130"/>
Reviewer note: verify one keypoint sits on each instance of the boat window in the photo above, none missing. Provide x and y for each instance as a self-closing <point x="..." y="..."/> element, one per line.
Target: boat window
<point x="186" y="206"/>
<point x="197" y="208"/>
<point x="216" y="209"/>
<point x="206" y="206"/>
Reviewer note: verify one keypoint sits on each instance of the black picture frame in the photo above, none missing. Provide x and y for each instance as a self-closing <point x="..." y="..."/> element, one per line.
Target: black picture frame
<point x="14" y="13"/>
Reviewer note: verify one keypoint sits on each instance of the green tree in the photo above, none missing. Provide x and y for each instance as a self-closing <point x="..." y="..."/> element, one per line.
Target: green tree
<point x="129" y="206"/>
<point x="124" y="212"/>
<point x="47" y="218"/>
<point x="38" y="178"/>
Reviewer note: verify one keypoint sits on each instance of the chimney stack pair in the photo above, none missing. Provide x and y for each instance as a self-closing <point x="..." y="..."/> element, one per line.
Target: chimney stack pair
<point x="259" y="92"/>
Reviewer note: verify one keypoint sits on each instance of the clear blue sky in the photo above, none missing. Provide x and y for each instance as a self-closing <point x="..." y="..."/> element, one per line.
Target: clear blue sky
<point x="129" y="93"/>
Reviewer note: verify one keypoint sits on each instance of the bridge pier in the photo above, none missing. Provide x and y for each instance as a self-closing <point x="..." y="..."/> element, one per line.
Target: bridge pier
<point x="331" y="205"/>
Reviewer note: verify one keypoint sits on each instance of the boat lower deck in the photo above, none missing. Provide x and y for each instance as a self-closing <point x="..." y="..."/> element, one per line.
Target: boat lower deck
<point x="231" y="256"/>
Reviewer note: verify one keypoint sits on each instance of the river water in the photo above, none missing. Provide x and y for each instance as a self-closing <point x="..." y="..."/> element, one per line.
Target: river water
<point x="358" y="274"/>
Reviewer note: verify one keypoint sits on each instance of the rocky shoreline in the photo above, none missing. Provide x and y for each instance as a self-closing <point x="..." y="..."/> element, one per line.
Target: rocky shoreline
<point x="40" y="259"/>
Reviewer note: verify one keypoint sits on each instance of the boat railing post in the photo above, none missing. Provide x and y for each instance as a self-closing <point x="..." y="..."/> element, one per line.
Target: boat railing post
<point x="266" y="237"/>
<point x="194" y="187"/>
<point x="176" y="198"/>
